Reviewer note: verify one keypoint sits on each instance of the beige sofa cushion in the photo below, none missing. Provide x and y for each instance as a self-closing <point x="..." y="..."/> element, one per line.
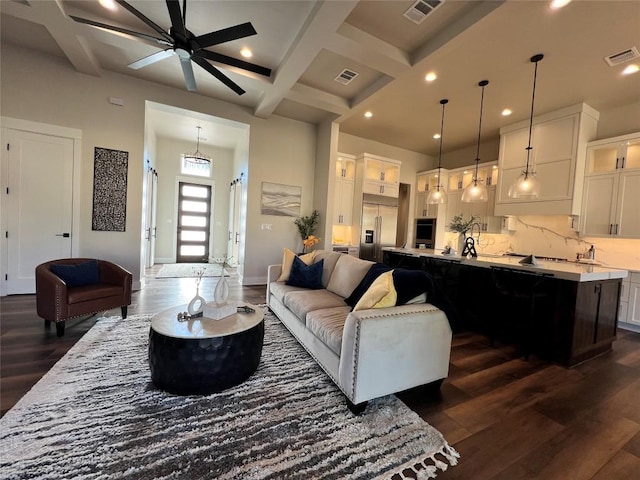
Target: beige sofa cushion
<point x="347" y="274"/>
<point x="327" y="324"/>
<point x="304" y="301"/>
<point x="330" y="259"/>
<point x="280" y="290"/>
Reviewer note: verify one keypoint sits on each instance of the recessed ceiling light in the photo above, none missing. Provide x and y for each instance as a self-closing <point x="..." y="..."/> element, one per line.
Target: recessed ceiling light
<point x="436" y="136"/>
<point x="430" y="77"/>
<point x="368" y="114"/>
<point x="629" y="69"/>
<point x="558" y="4"/>
<point x="506" y="112"/>
<point x="246" y="53"/>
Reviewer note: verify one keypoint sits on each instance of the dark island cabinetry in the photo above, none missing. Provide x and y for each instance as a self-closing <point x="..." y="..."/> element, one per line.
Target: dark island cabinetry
<point x="576" y="322"/>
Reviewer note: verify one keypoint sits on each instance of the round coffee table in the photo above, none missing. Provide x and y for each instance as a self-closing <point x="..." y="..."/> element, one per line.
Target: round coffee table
<point x="202" y="355"/>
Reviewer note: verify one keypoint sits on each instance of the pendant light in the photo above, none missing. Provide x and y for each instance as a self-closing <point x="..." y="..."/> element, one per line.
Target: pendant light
<point x="476" y="191"/>
<point x="439" y="194"/>
<point x="527" y="185"/>
<point x="197" y="158"/>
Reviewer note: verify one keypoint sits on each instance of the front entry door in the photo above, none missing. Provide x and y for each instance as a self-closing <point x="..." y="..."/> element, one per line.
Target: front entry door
<point x="40" y="204"/>
<point x="194" y="219"/>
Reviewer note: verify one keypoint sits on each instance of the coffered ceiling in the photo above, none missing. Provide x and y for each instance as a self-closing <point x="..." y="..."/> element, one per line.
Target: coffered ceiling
<point x="307" y="44"/>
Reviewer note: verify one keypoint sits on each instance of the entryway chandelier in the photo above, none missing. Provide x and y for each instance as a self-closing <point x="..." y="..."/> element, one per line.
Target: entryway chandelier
<point x="197" y="158"/>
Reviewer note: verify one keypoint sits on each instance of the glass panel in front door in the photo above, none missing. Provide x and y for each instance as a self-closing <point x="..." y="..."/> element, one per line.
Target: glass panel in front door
<point x="194" y="219"/>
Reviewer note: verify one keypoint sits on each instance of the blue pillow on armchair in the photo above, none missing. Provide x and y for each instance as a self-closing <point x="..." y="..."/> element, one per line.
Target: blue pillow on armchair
<point x="306" y="276"/>
<point x="78" y="274"/>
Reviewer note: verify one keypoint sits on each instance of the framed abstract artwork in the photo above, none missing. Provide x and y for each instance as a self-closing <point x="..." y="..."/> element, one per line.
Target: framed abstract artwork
<point x="109" y="190"/>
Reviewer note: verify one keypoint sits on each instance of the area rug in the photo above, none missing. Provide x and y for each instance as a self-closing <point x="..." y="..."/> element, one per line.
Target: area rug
<point x="96" y="415"/>
<point x="185" y="270"/>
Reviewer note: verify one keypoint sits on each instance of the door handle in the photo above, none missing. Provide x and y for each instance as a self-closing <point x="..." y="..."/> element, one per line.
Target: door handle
<point x="237" y="237"/>
<point x="622" y="162"/>
<point x="65" y="235"/>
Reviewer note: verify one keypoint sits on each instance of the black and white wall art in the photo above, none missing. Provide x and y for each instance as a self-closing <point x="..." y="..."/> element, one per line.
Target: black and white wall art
<point x="109" y="189"/>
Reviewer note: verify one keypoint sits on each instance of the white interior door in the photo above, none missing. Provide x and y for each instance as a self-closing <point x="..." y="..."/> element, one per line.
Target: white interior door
<point x="150" y="218"/>
<point x="237" y="203"/>
<point x="231" y="225"/>
<point x="40" y="172"/>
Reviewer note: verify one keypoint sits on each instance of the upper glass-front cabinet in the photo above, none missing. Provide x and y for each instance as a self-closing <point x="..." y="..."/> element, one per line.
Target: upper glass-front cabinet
<point x="346" y="167"/>
<point x="621" y="153"/>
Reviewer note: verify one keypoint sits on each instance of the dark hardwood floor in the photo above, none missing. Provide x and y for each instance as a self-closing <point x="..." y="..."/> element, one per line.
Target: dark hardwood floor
<point x="509" y="418"/>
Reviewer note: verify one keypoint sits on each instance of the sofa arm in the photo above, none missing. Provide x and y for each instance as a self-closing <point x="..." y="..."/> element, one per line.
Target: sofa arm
<point x="51" y="294"/>
<point x="114" y="274"/>
<point x="388" y="350"/>
<point x="273" y="272"/>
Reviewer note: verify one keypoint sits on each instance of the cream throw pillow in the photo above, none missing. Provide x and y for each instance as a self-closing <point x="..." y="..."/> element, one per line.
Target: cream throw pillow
<point x="381" y="293"/>
<point x="287" y="261"/>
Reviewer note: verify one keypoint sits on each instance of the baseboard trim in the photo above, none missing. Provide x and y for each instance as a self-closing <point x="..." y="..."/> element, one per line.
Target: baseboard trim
<point x="262" y="280"/>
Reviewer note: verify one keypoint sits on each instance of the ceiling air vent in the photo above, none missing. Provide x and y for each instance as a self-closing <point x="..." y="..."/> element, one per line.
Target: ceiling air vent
<point x="621" y="57"/>
<point x="346" y="76"/>
<point x="420" y="9"/>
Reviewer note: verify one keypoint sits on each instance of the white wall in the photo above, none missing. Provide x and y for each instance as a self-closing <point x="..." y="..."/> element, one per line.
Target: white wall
<point x="44" y="88"/>
<point x="168" y="166"/>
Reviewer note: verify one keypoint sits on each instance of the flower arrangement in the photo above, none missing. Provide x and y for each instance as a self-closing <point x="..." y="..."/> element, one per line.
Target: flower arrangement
<point x="309" y="242"/>
<point x="458" y="224"/>
<point x="306" y="228"/>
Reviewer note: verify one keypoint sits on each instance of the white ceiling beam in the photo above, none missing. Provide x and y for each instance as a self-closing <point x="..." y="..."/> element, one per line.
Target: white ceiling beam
<point x="318" y="99"/>
<point x="361" y="47"/>
<point x="52" y="16"/>
<point x="478" y="12"/>
<point x="323" y="21"/>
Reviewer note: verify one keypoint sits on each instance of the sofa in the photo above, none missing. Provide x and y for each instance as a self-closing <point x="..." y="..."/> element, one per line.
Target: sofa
<point x="367" y="352"/>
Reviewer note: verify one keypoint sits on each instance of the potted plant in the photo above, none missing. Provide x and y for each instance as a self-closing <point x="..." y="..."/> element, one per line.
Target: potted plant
<point x="306" y="228"/>
<point x="462" y="226"/>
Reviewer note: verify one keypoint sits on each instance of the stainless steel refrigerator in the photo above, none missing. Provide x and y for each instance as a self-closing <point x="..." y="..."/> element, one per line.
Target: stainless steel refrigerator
<point x="379" y="223"/>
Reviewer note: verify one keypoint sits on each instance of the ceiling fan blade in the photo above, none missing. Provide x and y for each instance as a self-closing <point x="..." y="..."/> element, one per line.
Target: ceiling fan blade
<point x="177" y="22"/>
<point x="146" y="20"/>
<point x="234" y="62"/>
<point x="218" y="74"/>
<point x="149" y="59"/>
<point x="225" y="35"/>
<point x="144" y="36"/>
<point x="187" y="70"/>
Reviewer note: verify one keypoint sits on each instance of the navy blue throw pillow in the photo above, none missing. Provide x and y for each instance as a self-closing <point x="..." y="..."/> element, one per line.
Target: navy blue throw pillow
<point x="79" y="274"/>
<point x="306" y="276"/>
<point x="411" y="283"/>
<point x="374" y="272"/>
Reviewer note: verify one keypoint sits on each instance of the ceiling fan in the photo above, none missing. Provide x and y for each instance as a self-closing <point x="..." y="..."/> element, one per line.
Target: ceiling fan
<point x="187" y="46"/>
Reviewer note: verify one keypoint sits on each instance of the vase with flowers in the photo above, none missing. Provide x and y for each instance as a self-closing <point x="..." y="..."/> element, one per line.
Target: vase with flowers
<point x="462" y="226"/>
<point x="306" y="228"/>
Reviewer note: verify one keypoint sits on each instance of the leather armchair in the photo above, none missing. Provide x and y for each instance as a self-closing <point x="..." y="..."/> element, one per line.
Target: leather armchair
<point x="57" y="302"/>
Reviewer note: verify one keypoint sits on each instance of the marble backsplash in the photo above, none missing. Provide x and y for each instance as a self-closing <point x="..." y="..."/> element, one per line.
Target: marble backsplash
<point x="551" y="236"/>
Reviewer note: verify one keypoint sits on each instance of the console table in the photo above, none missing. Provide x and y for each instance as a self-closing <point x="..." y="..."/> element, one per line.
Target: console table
<point x="202" y="355"/>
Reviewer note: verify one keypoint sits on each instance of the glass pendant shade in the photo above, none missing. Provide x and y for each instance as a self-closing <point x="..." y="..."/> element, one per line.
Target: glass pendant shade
<point x="439" y="194"/>
<point x="476" y="191"/>
<point x="527" y="185"/>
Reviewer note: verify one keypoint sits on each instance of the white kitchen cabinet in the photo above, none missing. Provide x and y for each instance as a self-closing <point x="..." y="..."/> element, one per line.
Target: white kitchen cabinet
<point x="559" y="142"/>
<point x="629" y="312"/>
<point x="612" y="189"/>
<point x="381" y="176"/>
<point x="344" y="190"/>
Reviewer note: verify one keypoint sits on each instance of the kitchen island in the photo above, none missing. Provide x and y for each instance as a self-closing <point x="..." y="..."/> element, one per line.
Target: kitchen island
<point x="578" y="320"/>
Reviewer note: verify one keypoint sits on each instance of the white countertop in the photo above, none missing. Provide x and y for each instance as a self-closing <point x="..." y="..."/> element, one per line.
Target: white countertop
<point x="577" y="272"/>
